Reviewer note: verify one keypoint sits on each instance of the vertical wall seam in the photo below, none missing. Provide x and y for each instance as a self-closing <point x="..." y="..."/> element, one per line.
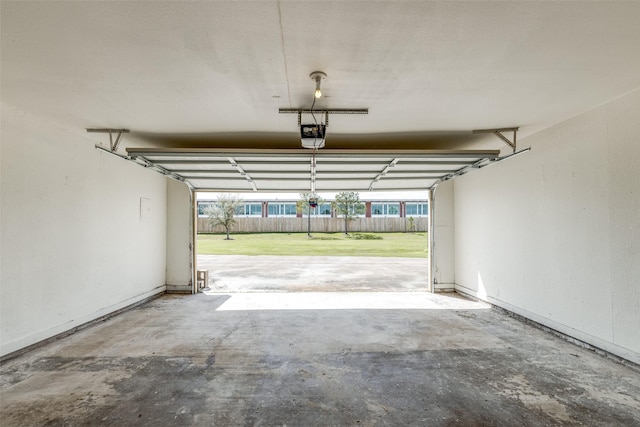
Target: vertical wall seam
<point x="284" y="54"/>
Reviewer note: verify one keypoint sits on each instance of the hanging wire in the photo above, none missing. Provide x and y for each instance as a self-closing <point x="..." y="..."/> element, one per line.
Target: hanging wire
<point x="315" y="138"/>
<point x="315" y="149"/>
<point x="312" y="187"/>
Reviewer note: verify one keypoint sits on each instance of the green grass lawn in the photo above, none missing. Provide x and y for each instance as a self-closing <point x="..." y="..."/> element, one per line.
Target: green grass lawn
<point x="410" y="245"/>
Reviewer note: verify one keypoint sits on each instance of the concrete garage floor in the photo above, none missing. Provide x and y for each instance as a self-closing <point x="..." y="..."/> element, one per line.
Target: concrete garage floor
<point x="315" y="359"/>
<point x="271" y="343"/>
<point x="240" y="273"/>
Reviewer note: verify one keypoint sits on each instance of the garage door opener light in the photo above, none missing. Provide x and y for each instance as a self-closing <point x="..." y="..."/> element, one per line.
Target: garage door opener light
<point x="317" y="76"/>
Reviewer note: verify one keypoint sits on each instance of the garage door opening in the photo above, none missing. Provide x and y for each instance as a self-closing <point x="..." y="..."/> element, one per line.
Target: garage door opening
<point x="328" y="170"/>
<point x="281" y="244"/>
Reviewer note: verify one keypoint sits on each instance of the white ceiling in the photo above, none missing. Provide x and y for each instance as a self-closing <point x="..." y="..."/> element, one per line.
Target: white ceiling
<point x="214" y="74"/>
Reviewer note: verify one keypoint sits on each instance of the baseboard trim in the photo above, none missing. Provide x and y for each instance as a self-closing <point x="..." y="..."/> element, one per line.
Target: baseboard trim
<point x="179" y="289"/>
<point x="444" y="287"/>
<point x="148" y="296"/>
<point x="598" y="346"/>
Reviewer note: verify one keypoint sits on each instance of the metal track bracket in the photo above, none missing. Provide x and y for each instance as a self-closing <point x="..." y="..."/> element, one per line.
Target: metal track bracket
<point x="113" y="145"/>
<point x="498" y="133"/>
<point x="324" y="110"/>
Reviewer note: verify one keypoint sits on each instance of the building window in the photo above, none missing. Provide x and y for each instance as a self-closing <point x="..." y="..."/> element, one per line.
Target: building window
<point x="202" y="208"/>
<point x="417" y="209"/>
<point x="385" y="209"/>
<point x="282" y="209"/>
<point x="244" y="209"/>
<point x="254" y="209"/>
<point x="322" y="210"/>
<point x="249" y="209"/>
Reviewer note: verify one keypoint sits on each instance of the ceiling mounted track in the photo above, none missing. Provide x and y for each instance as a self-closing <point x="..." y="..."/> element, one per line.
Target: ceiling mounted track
<point x="113" y="149"/>
<point x="324" y="110"/>
<point x="330" y="170"/>
<point x="293" y="170"/>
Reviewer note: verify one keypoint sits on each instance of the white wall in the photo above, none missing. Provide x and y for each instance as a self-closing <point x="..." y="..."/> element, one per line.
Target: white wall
<point x="443" y="234"/>
<point x="74" y="243"/>
<point x="554" y="234"/>
<point x="179" y="236"/>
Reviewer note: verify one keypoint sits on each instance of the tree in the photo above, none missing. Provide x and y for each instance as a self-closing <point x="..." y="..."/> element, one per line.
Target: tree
<point x="222" y="212"/>
<point x="348" y="205"/>
<point x="304" y="205"/>
<point x="412" y="224"/>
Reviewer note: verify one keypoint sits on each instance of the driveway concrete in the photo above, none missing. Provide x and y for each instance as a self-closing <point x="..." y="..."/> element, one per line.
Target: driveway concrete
<point x="241" y="273"/>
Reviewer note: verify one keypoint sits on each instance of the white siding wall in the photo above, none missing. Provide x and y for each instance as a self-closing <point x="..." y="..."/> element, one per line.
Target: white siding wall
<point x="74" y="245"/>
<point x="179" y="233"/>
<point x="554" y="234"/>
<point x="443" y="231"/>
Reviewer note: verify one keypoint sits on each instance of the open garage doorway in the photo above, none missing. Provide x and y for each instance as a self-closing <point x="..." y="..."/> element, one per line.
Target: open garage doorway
<point x="293" y="171"/>
<point x="280" y="244"/>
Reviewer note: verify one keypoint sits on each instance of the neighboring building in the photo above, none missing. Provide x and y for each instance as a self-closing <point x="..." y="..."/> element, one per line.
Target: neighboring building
<point x="284" y="216"/>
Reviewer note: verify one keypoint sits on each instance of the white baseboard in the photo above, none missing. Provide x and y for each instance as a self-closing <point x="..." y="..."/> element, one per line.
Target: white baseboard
<point x="179" y="289"/>
<point x="444" y="287"/>
<point x="66" y="328"/>
<point x="575" y="335"/>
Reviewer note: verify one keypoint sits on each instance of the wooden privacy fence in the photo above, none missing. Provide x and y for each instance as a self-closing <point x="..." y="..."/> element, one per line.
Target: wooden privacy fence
<point x="318" y="225"/>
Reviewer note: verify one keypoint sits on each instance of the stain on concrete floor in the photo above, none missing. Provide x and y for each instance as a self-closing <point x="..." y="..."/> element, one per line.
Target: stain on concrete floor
<point x="207" y="360"/>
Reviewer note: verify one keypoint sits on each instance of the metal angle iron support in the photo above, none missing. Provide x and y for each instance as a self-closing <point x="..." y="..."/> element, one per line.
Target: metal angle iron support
<point x="324" y="110"/>
<point x="499" y="134"/>
<point x="113" y="145"/>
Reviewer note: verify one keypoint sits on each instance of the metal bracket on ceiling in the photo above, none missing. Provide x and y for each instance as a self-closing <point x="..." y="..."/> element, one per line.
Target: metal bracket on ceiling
<point x="325" y="111"/>
<point x="113" y="145"/>
<point x="498" y="133"/>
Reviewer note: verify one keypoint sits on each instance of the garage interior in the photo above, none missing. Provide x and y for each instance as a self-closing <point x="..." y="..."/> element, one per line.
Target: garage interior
<point x="113" y="114"/>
